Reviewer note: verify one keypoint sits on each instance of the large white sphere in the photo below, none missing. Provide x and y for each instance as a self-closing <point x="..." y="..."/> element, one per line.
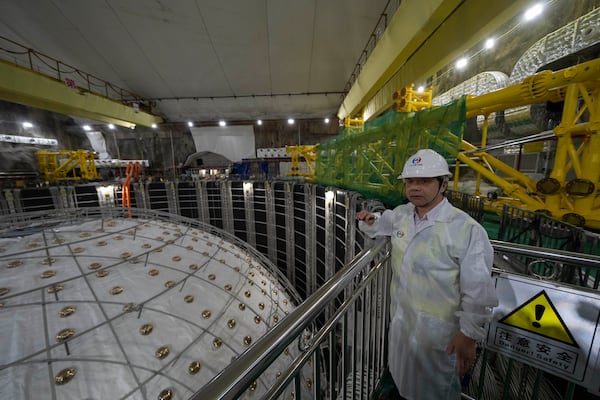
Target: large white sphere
<point x="114" y="308"/>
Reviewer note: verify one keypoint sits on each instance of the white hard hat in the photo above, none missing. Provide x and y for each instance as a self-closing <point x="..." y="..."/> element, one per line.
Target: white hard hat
<point x="425" y="163"/>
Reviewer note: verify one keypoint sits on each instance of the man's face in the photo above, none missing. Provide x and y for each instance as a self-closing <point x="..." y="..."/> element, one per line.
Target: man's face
<point x="421" y="191"/>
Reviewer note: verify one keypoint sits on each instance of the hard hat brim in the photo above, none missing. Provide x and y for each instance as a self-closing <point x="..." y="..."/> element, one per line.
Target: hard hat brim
<point x="449" y="175"/>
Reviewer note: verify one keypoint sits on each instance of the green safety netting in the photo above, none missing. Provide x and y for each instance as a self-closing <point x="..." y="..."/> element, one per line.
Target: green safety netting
<point x="368" y="160"/>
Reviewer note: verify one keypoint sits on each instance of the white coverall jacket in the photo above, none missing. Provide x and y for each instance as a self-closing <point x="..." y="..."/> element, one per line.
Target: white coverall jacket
<point x="441" y="283"/>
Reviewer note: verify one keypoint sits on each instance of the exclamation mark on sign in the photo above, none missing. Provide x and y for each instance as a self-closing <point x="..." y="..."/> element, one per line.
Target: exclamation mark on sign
<point x="539" y="311"/>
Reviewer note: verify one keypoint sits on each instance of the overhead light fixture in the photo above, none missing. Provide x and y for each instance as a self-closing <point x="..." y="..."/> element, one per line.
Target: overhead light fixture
<point x="329" y="196"/>
<point x="490" y="43"/>
<point x="111" y="126"/>
<point x="326" y="120"/>
<point x="259" y="121"/>
<point x="154" y="126"/>
<point x="533" y="12"/>
<point x="461" y="63"/>
<point x="28" y="140"/>
<point x="222" y="123"/>
<point x="291" y="121"/>
<point x="190" y="124"/>
<point x="27" y="125"/>
<point x="87" y="128"/>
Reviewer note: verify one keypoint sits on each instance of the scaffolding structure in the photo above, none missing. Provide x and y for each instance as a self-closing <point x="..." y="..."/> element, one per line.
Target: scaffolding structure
<point x="67" y="165"/>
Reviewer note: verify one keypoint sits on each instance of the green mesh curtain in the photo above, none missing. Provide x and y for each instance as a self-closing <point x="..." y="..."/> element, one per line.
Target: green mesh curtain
<point x="369" y="161"/>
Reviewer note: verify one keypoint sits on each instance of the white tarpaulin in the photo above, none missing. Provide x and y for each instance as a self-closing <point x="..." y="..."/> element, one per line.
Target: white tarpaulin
<point x="234" y="142"/>
<point x="98" y="144"/>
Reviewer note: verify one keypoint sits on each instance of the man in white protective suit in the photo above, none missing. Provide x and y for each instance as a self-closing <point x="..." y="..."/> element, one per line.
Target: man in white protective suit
<point x="442" y="291"/>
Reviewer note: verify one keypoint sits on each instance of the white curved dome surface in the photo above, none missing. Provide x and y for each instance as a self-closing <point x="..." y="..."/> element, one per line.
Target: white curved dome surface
<point x="119" y="308"/>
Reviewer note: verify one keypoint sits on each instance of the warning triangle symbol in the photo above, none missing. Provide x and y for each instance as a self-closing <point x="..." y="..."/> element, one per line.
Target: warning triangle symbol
<point x="538" y="315"/>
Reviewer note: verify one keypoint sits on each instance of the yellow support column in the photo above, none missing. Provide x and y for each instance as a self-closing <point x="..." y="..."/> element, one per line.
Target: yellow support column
<point x="585" y="161"/>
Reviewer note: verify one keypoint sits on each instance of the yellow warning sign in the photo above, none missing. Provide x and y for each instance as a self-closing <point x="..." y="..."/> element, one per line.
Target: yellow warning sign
<point x="538" y="315"/>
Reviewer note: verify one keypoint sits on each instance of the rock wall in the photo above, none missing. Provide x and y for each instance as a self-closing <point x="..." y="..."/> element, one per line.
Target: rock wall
<point x="165" y="147"/>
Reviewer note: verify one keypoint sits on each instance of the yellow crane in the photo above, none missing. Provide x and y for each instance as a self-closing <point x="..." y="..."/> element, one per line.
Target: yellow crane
<point x="67" y="165"/>
<point x="570" y="191"/>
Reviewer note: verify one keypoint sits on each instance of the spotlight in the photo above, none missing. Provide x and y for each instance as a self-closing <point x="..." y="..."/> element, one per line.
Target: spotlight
<point x="326" y="120"/>
<point x="87" y="128"/>
<point x="259" y="122"/>
<point x="533" y="12"/>
<point x="461" y="63"/>
<point x="190" y="124"/>
<point x="111" y="126"/>
<point x="154" y="126"/>
<point x="291" y="121"/>
<point x="222" y="123"/>
<point x="27" y="125"/>
<point x="489" y="44"/>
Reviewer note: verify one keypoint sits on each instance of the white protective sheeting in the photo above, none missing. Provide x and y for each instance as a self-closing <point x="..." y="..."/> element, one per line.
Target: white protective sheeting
<point x="206" y="158"/>
<point x="98" y="144"/>
<point x="234" y="142"/>
<point x="206" y="298"/>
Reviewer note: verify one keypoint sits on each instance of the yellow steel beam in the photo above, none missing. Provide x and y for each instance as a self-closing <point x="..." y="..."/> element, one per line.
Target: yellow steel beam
<point x="23" y="86"/>
<point x="543" y="86"/>
<point x="574" y="200"/>
<point x="422" y="37"/>
<point x="410" y="26"/>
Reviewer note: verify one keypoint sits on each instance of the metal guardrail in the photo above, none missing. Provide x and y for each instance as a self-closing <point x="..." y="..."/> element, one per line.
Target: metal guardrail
<point x="561" y="256"/>
<point x="356" y="283"/>
<point x="545" y="234"/>
<point x="501" y="377"/>
<point x="232" y="382"/>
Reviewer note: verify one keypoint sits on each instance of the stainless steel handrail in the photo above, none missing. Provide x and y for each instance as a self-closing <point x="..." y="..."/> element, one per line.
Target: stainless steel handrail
<point x="324" y="332"/>
<point x="240" y="374"/>
<point x="235" y="379"/>
<point x="569" y="257"/>
<point x="528" y="139"/>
